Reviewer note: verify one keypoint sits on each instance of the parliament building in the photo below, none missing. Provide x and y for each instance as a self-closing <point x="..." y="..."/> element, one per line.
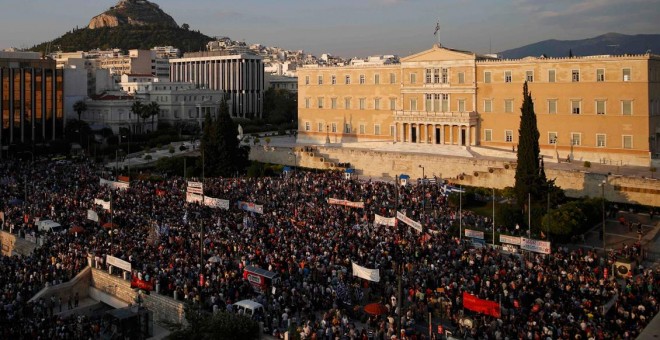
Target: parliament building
<point x="603" y="109"/>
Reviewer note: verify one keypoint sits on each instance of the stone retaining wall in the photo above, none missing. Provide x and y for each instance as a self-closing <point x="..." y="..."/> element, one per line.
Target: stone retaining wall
<point x="459" y="170"/>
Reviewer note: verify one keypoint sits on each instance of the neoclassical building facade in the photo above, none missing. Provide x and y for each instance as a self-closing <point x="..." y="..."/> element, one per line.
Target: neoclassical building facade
<point x="603" y="109"/>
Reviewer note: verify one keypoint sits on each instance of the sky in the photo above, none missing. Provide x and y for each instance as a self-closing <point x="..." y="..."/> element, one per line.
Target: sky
<point x="356" y="28"/>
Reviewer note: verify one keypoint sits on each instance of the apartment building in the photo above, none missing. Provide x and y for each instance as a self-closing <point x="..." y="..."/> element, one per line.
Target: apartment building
<point x="602" y="109"/>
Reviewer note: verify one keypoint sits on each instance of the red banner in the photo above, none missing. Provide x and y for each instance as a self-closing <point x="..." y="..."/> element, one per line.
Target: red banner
<point x="160" y="192"/>
<point x="478" y="305"/>
<point x="124" y="179"/>
<point x="141" y="284"/>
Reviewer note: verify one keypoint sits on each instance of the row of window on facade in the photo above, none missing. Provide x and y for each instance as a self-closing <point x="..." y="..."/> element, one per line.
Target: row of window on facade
<point x="441" y="76"/>
<point x="347" y="79"/>
<point x="362" y="103"/>
<point x="600" y="106"/>
<point x="332" y="127"/>
<point x="439" y="102"/>
<point x="575" y="138"/>
<point x="552" y="76"/>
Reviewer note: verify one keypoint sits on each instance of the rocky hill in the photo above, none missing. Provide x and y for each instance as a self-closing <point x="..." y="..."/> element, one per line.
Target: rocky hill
<point x="130" y="24"/>
<point x="132" y="12"/>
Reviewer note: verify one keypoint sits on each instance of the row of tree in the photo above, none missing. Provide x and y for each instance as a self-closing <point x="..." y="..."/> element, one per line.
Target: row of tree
<point x="143" y="111"/>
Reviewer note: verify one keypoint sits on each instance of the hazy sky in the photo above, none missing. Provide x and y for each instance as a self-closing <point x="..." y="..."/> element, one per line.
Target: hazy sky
<point x="351" y="28"/>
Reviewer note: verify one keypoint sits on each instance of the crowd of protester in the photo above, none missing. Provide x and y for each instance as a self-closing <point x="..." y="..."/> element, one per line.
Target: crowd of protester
<point x="311" y="245"/>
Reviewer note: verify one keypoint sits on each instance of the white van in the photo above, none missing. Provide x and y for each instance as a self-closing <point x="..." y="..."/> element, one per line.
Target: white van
<point x="248" y="308"/>
<point x="50" y="226"/>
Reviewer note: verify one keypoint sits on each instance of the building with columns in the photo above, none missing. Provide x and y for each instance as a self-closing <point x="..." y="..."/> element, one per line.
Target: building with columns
<point x="603" y="109"/>
<point x="239" y="76"/>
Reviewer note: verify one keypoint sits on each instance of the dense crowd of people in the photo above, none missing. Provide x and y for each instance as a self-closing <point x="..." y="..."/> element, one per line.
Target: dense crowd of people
<point x="311" y="245"/>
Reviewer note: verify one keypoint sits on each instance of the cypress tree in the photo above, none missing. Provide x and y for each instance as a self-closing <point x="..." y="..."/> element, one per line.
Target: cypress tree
<point x="530" y="175"/>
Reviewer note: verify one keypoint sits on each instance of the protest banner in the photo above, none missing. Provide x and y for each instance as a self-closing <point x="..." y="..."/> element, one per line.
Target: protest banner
<point x="346" y="203"/>
<point x="117" y="262"/>
<point x="474" y="234"/>
<point x="536" y="246"/>
<point x="195" y="188"/>
<point x="216" y="203"/>
<point x="251" y="207"/>
<point x="366" y="273"/>
<point x="510" y="239"/>
<point x="407" y="220"/>
<point x="387" y="221"/>
<point x="478" y="305"/>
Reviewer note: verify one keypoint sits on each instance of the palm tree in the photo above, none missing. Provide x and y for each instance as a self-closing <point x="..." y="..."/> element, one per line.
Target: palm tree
<point x="137" y="108"/>
<point x="154" y="109"/>
<point x="80" y="107"/>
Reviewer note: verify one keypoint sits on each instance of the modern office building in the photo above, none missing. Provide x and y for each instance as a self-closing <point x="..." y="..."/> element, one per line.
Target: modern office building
<point x="239" y="76"/>
<point x="31" y="98"/>
<point x="602" y="108"/>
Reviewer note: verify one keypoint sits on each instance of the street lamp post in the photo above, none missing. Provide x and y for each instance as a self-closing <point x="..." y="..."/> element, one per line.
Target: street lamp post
<point x="423" y="193"/>
<point x="460" y="211"/>
<point x="128" y="153"/>
<point x="493" y="216"/>
<point x="602" y="196"/>
<point x="295" y="159"/>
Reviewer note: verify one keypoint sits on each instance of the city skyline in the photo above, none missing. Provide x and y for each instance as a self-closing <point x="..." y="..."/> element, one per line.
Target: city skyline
<point x="358" y="29"/>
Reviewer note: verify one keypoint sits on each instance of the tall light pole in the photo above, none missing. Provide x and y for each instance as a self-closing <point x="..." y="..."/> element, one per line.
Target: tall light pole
<point x="493" y="216"/>
<point x="295" y="158"/>
<point x="460" y="211"/>
<point x="128" y="153"/>
<point x="423" y="192"/>
<point x="602" y="196"/>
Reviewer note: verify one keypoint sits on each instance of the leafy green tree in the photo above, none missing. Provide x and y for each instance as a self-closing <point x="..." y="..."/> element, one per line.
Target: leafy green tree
<point x="565" y="221"/>
<point x="128" y="37"/>
<point x="80" y="107"/>
<point x="530" y="176"/>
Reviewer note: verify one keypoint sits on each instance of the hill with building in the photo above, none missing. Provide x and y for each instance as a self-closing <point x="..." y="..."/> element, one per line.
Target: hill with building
<point x="610" y="43"/>
<point x="130" y="24"/>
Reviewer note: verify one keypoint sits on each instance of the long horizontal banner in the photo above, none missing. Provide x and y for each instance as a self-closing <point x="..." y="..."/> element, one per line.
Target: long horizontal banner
<point x="195" y="188"/>
<point x="208" y="201"/>
<point x="346" y="203"/>
<point x="366" y="273"/>
<point x="536" y="246"/>
<point x="216" y="203"/>
<point x="102" y="203"/>
<point x="478" y="305"/>
<point x="141" y="284"/>
<point x="515" y="240"/>
<point x="382" y="220"/>
<point x="474" y="234"/>
<point x="119" y="263"/>
<point x="407" y="220"/>
<point x="113" y="184"/>
<point x="251" y="207"/>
